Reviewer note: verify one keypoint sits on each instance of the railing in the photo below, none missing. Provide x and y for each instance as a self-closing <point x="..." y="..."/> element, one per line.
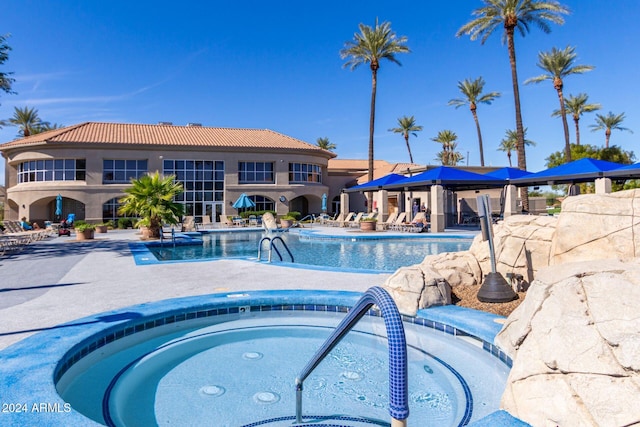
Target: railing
<point x="311" y="217"/>
<point x="272" y="247"/>
<point x="398" y="387"/>
<point x="173" y="237"/>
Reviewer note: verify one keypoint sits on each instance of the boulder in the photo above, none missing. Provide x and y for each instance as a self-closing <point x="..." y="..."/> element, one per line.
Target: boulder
<point x="574" y="342"/>
<point x="598" y="226"/>
<point x="413" y="288"/>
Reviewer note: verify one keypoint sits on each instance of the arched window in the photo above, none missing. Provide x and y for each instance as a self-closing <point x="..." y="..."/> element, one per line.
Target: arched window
<point x="110" y="210"/>
<point x="263" y="203"/>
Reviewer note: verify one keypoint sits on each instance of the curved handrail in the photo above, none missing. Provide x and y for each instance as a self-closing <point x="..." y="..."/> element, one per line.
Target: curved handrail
<point x="398" y="387"/>
<point x="273" y="247"/>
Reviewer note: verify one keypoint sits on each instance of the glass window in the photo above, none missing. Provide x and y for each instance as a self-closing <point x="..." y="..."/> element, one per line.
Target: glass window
<point x="122" y="171"/>
<point x="52" y="170"/>
<point x="305" y="172"/>
<point x="254" y="172"/>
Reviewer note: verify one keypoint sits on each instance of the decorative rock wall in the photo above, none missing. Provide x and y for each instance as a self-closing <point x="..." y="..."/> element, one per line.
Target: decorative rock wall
<point x="575" y="345"/>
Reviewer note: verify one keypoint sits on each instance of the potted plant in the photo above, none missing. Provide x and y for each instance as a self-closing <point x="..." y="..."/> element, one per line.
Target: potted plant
<point x="84" y="231"/>
<point x="152" y="199"/>
<point x="289" y="219"/>
<point x="102" y="227"/>
<point x="368" y="224"/>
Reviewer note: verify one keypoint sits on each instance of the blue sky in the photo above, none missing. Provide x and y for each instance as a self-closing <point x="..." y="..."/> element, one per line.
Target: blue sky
<point x="276" y="65"/>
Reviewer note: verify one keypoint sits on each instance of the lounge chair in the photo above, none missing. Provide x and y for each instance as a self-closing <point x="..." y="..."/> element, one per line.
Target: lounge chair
<point x="384" y="225"/>
<point x="397" y="225"/>
<point x="346" y="221"/>
<point x="206" y="223"/>
<point x="188" y="223"/>
<point x="333" y="222"/>
<point x="417" y="225"/>
<point x="253" y="221"/>
<point x="355" y="222"/>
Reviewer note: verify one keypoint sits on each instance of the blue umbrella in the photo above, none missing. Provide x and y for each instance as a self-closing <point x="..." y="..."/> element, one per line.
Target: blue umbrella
<point x="58" y="205"/>
<point x="244" y="202"/>
<point x="324" y="202"/>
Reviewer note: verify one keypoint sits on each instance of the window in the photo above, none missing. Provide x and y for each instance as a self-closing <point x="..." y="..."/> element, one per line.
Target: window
<point x="202" y="180"/>
<point x="52" y="170"/>
<point x="122" y="171"/>
<point x="255" y="172"/>
<point x="262" y="203"/>
<point x="305" y="172"/>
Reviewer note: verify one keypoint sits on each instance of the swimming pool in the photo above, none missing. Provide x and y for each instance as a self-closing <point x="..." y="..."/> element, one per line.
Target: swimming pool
<point x="344" y="253"/>
<point x="33" y="368"/>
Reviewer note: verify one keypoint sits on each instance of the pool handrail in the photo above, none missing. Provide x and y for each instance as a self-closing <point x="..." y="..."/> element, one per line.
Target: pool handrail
<point x="398" y="384"/>
<point x="272" y="246"/>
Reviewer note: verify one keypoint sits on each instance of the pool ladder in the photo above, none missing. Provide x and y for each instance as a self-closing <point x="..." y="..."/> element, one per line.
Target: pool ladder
<point x="398" y="386"/>
<point x="272" y="247"/>
<point x="173" y="237"/>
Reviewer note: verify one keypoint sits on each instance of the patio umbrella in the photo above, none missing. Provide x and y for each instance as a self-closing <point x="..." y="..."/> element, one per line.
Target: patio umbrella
<point x="324" y="202"/>
<point x="244" y="202"/>
<point x="58" y="205"/>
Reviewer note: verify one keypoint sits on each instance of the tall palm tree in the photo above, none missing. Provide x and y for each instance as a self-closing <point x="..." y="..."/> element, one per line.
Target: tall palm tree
<point x="26" y="119"/>
<point x="472" y="90"/>
<point x="577" y="106"/>
<point x="151" y="197"/>
<point x="559" y="64"/>
<point x="325" y="144"/>
<point x="448" y="156"/>
<point x="510" y="141"/>
<point x="609" y="122"/>
<point x="5" y="78"/>
<point x="370" y="46"/>
<point x="510" y="15"/>
<point x="46" y="126"/>
<point x="407" y="125"/>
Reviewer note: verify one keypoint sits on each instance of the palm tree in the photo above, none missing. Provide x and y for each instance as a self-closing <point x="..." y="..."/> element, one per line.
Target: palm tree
<point x="406" y="126"/>
<point x="151" y="197"/>
<point x="559" y="64"/>
<point x="609" y="122"/>
<point x="511" y="15"/>
<point x="448" y="156"/>
<point x="5" y="80"/>
<point x="46" y="126"/>
<point x="577" y="106"/>
<point x="370" y="46"/>
<point x="27" y="120"/>
<point x="325" y="144"/>
<point x="472" y="90"/>
<point x="510" y="141"/>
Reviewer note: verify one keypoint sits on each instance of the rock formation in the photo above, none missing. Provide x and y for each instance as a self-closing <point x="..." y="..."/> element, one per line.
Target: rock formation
<point x="575" y="346"/>
<point x="575" y="339"/>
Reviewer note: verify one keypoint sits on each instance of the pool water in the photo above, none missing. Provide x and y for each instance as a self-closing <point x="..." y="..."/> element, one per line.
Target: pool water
<point x="344" y="253"/>
<point x="241" y="371"/>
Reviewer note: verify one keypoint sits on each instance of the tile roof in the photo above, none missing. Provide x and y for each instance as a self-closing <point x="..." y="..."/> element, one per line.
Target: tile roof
<point x="143" y="134"/>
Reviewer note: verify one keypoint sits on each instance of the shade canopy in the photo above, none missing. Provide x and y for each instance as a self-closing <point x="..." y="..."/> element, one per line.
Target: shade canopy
<point x="507" y="173"/>
<point x="583" y="170"/>
<point x="449" y="177"/>
<point x="244" y="202"/>
<point x="625" y="172"/>
<point x="376" y="184"/>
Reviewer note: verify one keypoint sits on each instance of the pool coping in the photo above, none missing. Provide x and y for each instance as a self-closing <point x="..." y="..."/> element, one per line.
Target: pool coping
<point x="29" y="366"/>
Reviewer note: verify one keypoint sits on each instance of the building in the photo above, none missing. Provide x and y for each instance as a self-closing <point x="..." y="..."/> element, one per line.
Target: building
<point x="89" y="164"/>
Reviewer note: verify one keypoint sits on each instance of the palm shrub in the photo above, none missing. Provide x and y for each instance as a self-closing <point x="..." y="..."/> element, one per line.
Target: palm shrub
<point x="151" y="199"/>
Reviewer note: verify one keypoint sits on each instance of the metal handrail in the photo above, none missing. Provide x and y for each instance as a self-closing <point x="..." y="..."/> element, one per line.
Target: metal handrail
<point x="272" y="247"/>
<point x="173" y="237"/>
<point x="398" y="386"/>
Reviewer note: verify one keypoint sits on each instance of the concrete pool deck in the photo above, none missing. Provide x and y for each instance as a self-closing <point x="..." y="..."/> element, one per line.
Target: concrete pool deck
<point x="59" y="279"/>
